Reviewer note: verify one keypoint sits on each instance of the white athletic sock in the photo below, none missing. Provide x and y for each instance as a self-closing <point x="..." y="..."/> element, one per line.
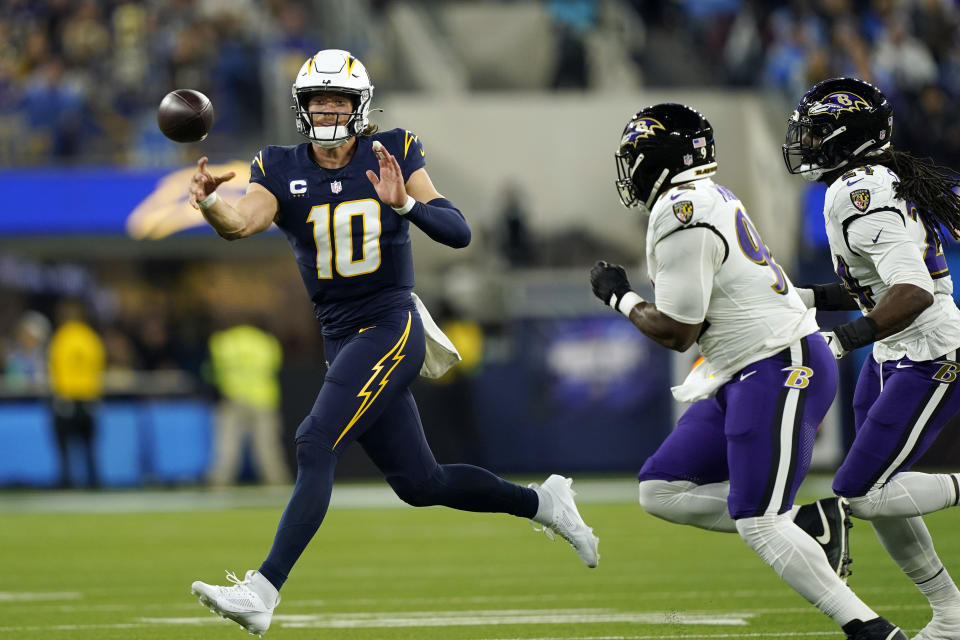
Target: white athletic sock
<point x="909" y="494"/>
<point x="684" y="502"/>
<point x="801" y="563"/>
<point x="909" y="544"/>
<point x="544" y="513"/>
<point x="941" y="591"/>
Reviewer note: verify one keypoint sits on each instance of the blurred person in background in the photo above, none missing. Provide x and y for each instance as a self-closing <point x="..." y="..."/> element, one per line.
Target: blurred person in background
<point x="345" y="202"/>
<point x="245" y="364"/>
<point x="25" y="358"/>
<point x="76" y="365"/>
<point x="885" y="213"/>
<point x="738" y="454"/>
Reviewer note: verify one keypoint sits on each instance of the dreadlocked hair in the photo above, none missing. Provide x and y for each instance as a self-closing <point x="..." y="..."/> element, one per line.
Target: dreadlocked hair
<point x="927" y="185"/>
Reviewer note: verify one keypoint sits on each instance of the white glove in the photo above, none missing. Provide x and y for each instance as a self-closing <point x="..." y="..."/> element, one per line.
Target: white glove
<point x="834" y="344"/>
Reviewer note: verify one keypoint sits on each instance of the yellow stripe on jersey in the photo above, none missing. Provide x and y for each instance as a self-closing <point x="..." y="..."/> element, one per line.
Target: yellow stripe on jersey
<point x="259" y="160"/>
<point x="395" y="353"/>
<point x="407" y="139"/>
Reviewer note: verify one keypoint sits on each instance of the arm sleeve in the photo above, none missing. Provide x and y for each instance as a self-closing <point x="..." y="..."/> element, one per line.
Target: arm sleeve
<point x="441" y="221"/>
<point x="882" y="237"/>
<point x="687" y="261"/>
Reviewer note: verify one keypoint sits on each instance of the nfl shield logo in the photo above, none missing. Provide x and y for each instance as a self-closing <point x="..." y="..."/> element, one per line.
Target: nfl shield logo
<point x="688" y="159"/>
<point x="336" y="187"/>
<point x="860" y="199"/>
<point x="683" y="210"/>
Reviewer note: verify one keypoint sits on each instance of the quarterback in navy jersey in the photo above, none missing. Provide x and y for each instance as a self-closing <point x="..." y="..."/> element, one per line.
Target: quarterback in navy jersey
<point x="345" y="200"/>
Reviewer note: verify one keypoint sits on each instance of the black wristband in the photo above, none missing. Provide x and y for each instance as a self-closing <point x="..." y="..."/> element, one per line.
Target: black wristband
<point x="856" y="334"/>
<point x="830" y="297"/>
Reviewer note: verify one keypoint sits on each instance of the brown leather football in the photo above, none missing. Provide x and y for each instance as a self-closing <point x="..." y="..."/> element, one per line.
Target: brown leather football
<point x="185" y="115"/>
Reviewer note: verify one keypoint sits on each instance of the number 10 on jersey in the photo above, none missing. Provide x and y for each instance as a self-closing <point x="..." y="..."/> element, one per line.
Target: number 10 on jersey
<point x="352" y="256"/>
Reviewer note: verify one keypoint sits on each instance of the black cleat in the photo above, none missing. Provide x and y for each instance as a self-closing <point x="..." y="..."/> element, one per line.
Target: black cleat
<point x="876" y="629"/>
<point x="828" y="522"/>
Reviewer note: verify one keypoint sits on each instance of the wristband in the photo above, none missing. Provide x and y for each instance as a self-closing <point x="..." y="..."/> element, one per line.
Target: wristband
<point x="407" y="206"/>
<point x="629" y="300"/>
<point x="856" y="334"/>
<point x="207" y="202"/>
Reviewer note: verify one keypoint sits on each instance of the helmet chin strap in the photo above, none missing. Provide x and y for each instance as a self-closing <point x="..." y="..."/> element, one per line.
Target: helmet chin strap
<point x="330" y="137"/>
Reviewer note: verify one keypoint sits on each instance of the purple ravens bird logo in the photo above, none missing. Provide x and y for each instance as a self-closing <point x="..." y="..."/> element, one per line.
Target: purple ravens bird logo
<point x="683" y="210"/>
<point x="860" y="199"/>
<point x="838" y="102"/>
<point x="641" y="128"/>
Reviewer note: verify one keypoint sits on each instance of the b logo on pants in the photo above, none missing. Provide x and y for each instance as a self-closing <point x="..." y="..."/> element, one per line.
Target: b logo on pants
<point x="947" y="372"/>
<point x="799" y="377"/>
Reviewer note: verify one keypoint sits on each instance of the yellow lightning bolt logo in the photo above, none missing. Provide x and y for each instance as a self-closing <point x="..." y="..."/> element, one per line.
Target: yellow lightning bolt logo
<point x="395" y="354"/>
<point x="407" y="139"/>
<point x="350" y="62"/>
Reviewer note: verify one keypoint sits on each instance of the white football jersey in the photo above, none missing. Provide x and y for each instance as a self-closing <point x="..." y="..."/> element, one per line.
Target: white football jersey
<point x="877" y="241"/>
<point x="708" y="264"/>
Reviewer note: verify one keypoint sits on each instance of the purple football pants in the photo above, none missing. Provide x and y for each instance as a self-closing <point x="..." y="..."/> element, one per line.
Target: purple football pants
<point x="757" y="431"/>
<point x="900" y="407"/>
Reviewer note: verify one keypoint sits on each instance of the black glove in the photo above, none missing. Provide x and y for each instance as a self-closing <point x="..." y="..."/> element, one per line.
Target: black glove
<point x="609" y="283"/>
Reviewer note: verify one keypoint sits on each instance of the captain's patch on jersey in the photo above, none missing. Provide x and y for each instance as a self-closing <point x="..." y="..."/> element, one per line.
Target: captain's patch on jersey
<point x="860" y="199"/>
<point x="683" y="210"/>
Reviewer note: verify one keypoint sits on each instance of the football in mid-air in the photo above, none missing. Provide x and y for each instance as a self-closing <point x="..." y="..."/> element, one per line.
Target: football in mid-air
<point x="185" y="115"/>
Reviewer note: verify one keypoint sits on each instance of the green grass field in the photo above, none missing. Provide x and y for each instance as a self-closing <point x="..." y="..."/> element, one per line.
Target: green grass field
<point x="119" y="565"/>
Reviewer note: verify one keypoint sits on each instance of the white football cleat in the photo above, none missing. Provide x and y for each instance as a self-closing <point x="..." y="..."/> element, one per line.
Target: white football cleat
<point x="562" y="518"/>
<point x="249" y="602"/>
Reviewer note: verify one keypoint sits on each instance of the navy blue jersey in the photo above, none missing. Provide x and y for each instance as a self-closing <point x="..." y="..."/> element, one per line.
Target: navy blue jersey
<point x="352" y="250"/>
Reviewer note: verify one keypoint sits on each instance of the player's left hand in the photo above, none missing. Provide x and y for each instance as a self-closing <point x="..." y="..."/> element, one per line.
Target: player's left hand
<point x="835" y="347"/>
<point x="609" y="282"/>
<point x="389" y="184"/>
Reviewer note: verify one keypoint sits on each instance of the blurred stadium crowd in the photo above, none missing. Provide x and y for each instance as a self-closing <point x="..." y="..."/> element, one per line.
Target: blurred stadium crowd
<point x="82" y="78"/>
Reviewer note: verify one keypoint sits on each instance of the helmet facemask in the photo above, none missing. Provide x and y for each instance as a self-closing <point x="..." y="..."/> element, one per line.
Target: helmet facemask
<point x="837" y="122"/>
<point x="348" y="124"/>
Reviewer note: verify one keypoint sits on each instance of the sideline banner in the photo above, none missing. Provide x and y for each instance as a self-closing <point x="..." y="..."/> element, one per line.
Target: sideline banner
<point x="140" y="203"/>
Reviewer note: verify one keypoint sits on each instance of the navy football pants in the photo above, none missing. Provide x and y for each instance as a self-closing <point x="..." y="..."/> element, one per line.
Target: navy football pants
<point x="365" y="398"/>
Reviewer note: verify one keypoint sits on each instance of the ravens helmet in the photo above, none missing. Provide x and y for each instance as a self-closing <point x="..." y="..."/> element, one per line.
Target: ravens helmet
<point x="836" y="121"/>
<point x="662" y="145"/>
<point x="336" y="71"/>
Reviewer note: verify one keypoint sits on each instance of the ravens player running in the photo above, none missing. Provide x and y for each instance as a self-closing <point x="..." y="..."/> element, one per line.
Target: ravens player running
<point x="884" y="212"/>
<point x="345" y="200"/>
<point x="739" y="453"/>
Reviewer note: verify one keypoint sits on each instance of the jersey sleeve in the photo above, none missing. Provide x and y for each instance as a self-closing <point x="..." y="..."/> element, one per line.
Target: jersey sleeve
<point x="409" y="153"/>
<point x="882" y="237"/>
<point x="264" y="170"/>
<point x="687" y="261"/>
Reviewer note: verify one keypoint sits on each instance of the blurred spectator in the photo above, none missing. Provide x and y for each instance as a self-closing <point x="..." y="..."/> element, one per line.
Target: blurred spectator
<point x="514" y="233"/>
<point x="245" y="365"/>
<point x="905" y="60"/>
<point x="25" y="359"/>
<point x="573" y="20"/>
<point x="76" y="363"/>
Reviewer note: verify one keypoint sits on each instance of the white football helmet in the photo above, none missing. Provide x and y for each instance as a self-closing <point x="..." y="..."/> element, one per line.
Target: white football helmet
<point x="338" y="71"/>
